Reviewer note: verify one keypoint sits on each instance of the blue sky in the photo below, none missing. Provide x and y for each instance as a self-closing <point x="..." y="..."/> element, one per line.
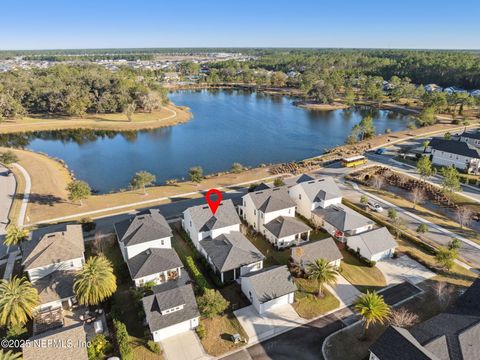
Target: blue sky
<point x="47" y="24"/>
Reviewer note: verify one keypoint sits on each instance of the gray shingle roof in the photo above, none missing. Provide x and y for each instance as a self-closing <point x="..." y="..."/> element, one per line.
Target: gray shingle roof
<point x="74" y="334"/>
<point x="471" y="134"/>
<point x="398" y="344"/>
<point x="167" y="296"/>
<point x="321" y="189"/>
<point x="322" y="249"/>
<point x="377" y="240"/>
<point x="146" y="226"/>
<point x="271" y="283"/>
<point x="47" y="248"/>
<point x="283" y="226"/>
<point x="262" y="186"/>
<point x="153" y="261"/>
<point x="272" y="200"/>
<point x="452" y="335"/>
<point x="203" y="220"/>
<point x="342" y="217"/>
<point x="231" y="251"/>
<point x="455" y="147"/>
<point x="55" y="286"/>
<point x="298" y="179"/>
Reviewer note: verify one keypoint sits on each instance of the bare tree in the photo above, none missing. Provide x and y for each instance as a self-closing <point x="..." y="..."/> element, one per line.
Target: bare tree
<point x="403" y="318"/>
<point x="417" y="195"/>
<point x="443" y="293"/>
<point x="464" y="215"/>
<point x="97" y="243"/>
<point x="377" y="181"/>
<point x="130" y="110"/>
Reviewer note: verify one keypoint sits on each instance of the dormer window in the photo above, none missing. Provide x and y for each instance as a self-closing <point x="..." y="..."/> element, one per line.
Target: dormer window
<point x="172" y="310"/>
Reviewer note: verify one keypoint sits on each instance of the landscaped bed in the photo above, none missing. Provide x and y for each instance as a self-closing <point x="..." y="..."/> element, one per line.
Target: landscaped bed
<point x="307" y="303"/>
<point x="359" y="274"/>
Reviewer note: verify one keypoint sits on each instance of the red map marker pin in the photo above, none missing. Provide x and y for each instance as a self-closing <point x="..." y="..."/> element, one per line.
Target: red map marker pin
<point x="213" y="203"/>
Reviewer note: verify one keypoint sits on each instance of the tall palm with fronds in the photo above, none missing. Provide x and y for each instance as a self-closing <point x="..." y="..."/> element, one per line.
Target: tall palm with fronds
<point x="15" y="236"/>
<point x="18" y="299"/>
<point x="95" y="282"/>
<point x="10" y="355"/>
<point x="373" y="309"/>
<point x="323" y="272"/>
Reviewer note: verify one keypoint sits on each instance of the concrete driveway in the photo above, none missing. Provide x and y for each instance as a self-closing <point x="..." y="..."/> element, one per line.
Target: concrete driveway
<point x="403" y="269"/>
<point x="344" y="291"/>
<point x="271" y="323"/>
<point x="7" y="192"/>
<point x="184" y="346"/>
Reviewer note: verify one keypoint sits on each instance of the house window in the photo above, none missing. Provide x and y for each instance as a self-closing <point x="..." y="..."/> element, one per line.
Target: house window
<point x="190" y="223"/>
<point x="162" y="242"/>
<point x="289" y="211"/>
<point x="254" y="212"/>
<point x="72" y="264"/>
<point x="261" y="215"/>
<point x="299" y="196"/>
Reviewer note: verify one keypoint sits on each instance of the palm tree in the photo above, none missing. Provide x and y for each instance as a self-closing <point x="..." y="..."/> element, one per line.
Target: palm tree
<point x="372" y="308"/>
<point x="18" y="299"/>
<point x="323" y="272"/>
<point x="96" y="281"/>
<point x="10" y="355"/>
<point x="15" y="236"/>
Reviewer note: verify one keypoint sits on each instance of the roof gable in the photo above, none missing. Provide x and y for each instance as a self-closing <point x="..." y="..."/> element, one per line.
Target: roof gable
<point x="203" y="219"/>
<point x="153" y="261"/>
<point x="271" y="200"/>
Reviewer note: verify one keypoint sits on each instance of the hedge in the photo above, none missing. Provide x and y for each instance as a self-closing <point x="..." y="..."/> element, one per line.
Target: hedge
<point x="123" y="340"/>
<point x="200" y="280"/>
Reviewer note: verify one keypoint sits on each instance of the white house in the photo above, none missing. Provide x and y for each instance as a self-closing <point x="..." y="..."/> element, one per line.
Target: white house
<point x="373" y="245"/>
<point x="200" y="223"/>
<point x="323" y="249"/>
<point x="146" y="230"/>
<point x="316" y="193"/>
<point x="285" y="231"/>
<point x="472" y="137"/>
<point x="46" y="252"/>
<point x="260" y="207"/>
<point x="171" y="309"/>
<point x="460" y="154"/>
<point x="269" y="288"/>
<point x="340" y="221"/>
<point x="432" y="88"/>
<point x="155" y="265"/>
<point x="231" y="255"/>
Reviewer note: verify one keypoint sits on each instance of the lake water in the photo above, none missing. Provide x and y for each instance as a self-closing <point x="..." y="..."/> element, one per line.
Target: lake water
<point x="227" y="127"/>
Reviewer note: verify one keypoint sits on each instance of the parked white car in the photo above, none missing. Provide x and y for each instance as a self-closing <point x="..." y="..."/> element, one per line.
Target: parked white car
<point x="375" y="206"/>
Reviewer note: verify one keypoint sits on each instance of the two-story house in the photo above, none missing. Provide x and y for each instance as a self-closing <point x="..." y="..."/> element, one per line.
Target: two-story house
<point x="51" y="260"/>
<point x="316" y="193"/>
<point x="145" y="243"/>
<point x="200" y="223"/>
<point x="459" y="154"/>
<point x="471" y="137"/>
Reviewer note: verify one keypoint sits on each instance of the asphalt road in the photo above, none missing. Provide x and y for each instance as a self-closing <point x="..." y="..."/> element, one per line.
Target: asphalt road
<point x="7" y="193"/>
<point x="302" y="343"/>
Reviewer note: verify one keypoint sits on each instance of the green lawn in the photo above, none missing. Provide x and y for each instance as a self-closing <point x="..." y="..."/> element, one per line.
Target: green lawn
<point x="307" y="304"/>
<point x="359" y="274"/>
<point x="273" y="256"/>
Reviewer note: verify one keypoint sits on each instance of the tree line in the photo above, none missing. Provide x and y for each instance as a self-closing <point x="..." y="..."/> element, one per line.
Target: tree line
<point x="77" y="91"/>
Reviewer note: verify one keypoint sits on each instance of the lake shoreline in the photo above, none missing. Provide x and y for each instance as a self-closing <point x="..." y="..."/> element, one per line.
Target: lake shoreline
<point x="170" y="115"/>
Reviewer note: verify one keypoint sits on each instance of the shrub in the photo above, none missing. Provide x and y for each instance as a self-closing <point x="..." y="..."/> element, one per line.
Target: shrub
<point x="196" y="174"/>
<point x="154" y="347"/>
<point x="422" y="228"/>
<point x="171" y="182"/>
<point x="98" y="347"/>
<point x="17" y="331"/>
<point x="8" y="157"/>
<point x="201" y="331"/>
<point x="123" y="340"/>
<point x="212" y="303"/>
<point x="278" y="182"/>
<point x="237" y="168"/>
<point x="200" y="280"/>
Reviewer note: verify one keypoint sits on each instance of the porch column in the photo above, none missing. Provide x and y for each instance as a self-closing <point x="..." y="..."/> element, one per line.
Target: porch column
<point x="308" y="235"/>
<point x="221" y="276"/>
<point x="234" y="274"/>
<point x="165" y="274"/>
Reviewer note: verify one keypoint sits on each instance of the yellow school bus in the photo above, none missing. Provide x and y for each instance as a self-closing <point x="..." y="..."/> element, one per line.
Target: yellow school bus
<point x="354" y="161"/>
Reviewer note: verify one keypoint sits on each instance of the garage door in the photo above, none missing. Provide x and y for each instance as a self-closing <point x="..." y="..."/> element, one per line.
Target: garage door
<point x="172" y="330"/>
<point x="283" y="300"/>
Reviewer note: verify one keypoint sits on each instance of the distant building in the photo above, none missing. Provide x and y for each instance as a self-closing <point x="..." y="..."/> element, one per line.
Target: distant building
<point x="373" y="245"/>
<point x="432" y="88"/>
<point x="471" y="137"/>
<point x="459" y="154"/>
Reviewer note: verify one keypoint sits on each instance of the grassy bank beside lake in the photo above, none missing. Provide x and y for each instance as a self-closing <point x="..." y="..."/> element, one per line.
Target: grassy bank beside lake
<point x="168" y="116"/>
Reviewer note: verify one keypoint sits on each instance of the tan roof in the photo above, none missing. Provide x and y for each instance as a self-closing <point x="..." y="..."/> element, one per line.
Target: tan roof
<point x="55" y="286"/>
<point x="47" y="248"/>
<point x="62" y="343"/>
